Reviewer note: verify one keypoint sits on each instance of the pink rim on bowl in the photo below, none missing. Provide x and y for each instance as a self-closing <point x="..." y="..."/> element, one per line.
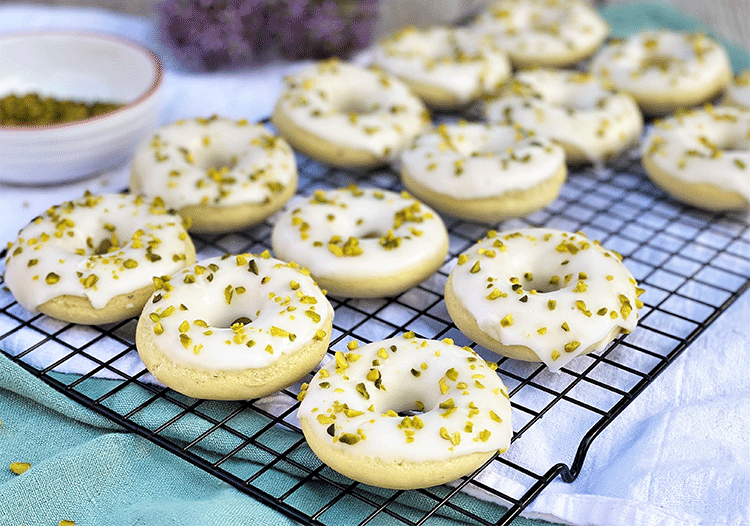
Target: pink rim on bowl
<point x="158" y="69"/>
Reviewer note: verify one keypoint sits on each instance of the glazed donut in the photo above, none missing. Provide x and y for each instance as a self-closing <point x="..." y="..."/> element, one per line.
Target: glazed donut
<point x="406" y="413"/>
<point x="345" y="115"/>
<point x="234" y="327"/>
<point x="91" y="260"/>
<point x="483" y="172"/>
<point x="218" y="173"/>
<point x="665" y="70"/>
<point x="738" y="91"/>
<point x="539" y="294"/>
<point x="574" y="109"/>
<point x="362" y="242"/>
<point x="702" y="157"/>
<point x="544" y="33"/>
<point x="447" y="68"/>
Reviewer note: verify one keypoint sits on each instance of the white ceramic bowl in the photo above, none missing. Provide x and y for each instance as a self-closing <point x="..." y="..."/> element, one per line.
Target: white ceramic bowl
<point x="76" y="66"/>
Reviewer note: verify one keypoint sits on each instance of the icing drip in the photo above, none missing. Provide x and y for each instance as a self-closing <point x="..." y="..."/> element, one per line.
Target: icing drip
<point x="554" y="102"/>
<point x="554" y="292"/>
<point x="96" y="247"/>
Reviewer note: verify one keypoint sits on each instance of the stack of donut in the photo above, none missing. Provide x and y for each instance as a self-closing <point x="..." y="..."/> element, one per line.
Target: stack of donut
<point x="404" y="412"/>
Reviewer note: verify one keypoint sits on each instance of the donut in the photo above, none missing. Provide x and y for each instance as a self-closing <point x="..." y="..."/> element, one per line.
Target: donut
<point x="219" y="174"/>
<point x="702" y="157"/>
<point x="738" y="91"/>
<point x="541" y="295"/>
<point x="483" y="172"/>
<point x="447" y="68"/>
<point x="544" y="33"/>
<point x="362" y="242"/>
<point x="234" y="327"/>
<point x="91" y="260"/>
<point x="665" y="70"/>
<point x="345" y="115"/>
<point x="576" y="110"/>
<point x="406" y="413"/>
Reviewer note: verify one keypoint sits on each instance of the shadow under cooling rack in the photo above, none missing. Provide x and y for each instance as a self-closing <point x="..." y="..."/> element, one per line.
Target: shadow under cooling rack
<point x="692" y="264"/>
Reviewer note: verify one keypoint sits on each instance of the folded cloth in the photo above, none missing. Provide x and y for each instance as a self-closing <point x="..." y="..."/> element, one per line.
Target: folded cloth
<point x="85" y="469"/>
<point x="676" y="455"/>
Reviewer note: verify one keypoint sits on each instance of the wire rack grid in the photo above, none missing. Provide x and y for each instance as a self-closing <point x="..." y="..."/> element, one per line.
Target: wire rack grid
<point x="692" y="264"/>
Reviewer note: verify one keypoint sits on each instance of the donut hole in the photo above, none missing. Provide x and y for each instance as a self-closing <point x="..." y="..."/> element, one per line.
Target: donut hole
<point x="659" y="61"/>
<point x="357" y="106"/>
<point x="104" y="246"/>
<point x="372" y="234"/>
<point x="543" y="284"/>
<point x="588" y="97"/>
<point x="410" y="412"/>
<point x="735" y="147"/>
<point x="727" y="142"/>
<point x="107" y="239"/>
<point x="738" y="143"/>
<point x="405" y="408"/>
<point x="244" y="320"/>
<point x="231" y="321"/>
<point x="372" y="226"/>
<point x="226" y="320"/>
<point x="218" y="164"/>
<point x="581" y="95"/>
<point x="410" y="397"/>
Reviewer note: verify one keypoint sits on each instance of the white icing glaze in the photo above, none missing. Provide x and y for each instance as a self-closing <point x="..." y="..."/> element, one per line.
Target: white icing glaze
<point x="193" y="313"/>
<point x="543" y="28"/>
<point x="662" y="62"/>
<point x="570" y="107"/>
<point x="504" y="281"/>
<point x="475" y="161"/>
<point x="353" y="106"/>
<point x="738" y="91"/>
<point x="710" y="145"/>
<point x="214" y="162"/>
<point x="465" y="404"/>
<point x="96" y="247"/>
<point x="358" y="232"/>
<point x="456" y="60"/>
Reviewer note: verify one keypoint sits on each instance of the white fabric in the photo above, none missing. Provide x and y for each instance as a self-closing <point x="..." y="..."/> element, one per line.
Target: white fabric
<point x="678" y="455"/>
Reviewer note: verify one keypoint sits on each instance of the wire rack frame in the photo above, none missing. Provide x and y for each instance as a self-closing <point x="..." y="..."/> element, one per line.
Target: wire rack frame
<point x="693" y="265"/>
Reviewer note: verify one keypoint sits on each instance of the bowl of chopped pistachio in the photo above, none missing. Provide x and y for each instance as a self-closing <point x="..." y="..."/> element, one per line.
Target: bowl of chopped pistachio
<point x="73" y="104"/>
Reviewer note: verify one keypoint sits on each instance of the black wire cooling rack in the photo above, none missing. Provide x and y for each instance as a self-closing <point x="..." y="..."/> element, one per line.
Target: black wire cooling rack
<point x="692" y="264"/>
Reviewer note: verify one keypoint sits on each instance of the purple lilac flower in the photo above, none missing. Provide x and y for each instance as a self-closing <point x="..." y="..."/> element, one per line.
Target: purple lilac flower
<point x="212" y="34"/>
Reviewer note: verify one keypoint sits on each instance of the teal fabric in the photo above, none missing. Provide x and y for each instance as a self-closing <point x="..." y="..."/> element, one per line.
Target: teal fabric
<point x="86" y="469"/>
<point x="628" y="18"/>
